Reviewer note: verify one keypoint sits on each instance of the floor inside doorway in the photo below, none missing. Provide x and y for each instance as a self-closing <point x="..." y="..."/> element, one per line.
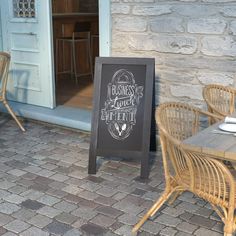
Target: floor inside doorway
<point x="70" y="94"/>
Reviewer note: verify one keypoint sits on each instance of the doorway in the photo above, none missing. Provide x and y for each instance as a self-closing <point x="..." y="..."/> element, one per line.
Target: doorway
<point x="73" y="70"/>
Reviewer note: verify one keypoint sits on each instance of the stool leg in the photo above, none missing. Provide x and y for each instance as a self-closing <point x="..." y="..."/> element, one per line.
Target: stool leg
<point x="74" y="61"/>
<point x="90" y="56"/>
<point x="57" y="59"/>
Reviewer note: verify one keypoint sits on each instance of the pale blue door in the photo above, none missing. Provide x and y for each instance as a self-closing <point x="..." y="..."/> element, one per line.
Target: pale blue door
<point x="26" y="34"/>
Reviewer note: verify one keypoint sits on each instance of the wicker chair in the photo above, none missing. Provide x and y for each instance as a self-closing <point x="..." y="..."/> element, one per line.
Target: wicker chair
<point x="4" y="68"/>
<point x="220" y="99"/>
<point x="189" y="170"/>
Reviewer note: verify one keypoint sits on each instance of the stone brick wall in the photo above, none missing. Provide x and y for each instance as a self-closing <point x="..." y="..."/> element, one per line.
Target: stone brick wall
<point x="192" y="41"/>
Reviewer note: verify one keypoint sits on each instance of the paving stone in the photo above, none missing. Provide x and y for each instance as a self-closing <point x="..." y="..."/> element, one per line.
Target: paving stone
<point x="40" y="221"/>
<point x="79" y="222"/>
<point x="4" y="219"/>
<point x="16" y="164"/>
<point x="168" y="231"/>
<point x="48" y="200"/>
<point x="6" y="184"/>
<point x="48" y="211"/>
<point x="204" y="232"/>
<point x="84" y="212"/>
<point x="3" y="193"/>
<point x="24" y="214"/>
<point x="59" y="177"/>
<point x="187" y="227"/>
<point x="14" y="198"/>
<point x="152" y="227"/>
<point x="32" y="204"/>
<point x="72" y="198"/>
<point x="95" y="179"/>
<point x="91" y="186"/>
<point x="128" y="207"/>
<point x="128" y="219"/>
<point x="9" y="234"/>
<point x="124" y="230"/>
<point x="45" y="173"/>
<point x="57" y="185"/>
<point x="40" y="187"/>
<point x="204" y="212"/>
<point x="183" y="234"/>
<point x="139" y="192"/>
<point x="33" y="231"/>
<point x="2" y="231"/>
<point x="168" y="220"/>
<point x="8" y="208"/>
<point x="72" y="189"/>
<point x="106" y="201"/>
<point x="89" y="204"/>
<point x="172" y="211"/>
<point x="107" y="192"/>
<point x="202" y="221"/>
<point x="189" y="207"/>
<point x="109" y="211"/>
<point x="91" y="229"/>
<point x="65" y="206"/>
<point x="16" y="172"/>
<point x="29" y="176"/>
<point x="73" y="232"/>
<point x="16" y="226"/>
<point x="66" y="218"/>
<point x="57" y="228"/>
<point x="17" y="189"/>
<point x="102" y="220"/>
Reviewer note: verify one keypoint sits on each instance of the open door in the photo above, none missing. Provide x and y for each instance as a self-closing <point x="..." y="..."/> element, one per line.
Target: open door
<point x="27" y="36"/>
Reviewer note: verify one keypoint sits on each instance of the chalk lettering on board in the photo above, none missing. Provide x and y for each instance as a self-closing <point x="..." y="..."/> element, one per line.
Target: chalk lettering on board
<point x="123" y="99"/>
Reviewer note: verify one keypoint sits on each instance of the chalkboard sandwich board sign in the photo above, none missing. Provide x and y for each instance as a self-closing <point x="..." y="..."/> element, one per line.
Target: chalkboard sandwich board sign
<point x="122" y="110"/>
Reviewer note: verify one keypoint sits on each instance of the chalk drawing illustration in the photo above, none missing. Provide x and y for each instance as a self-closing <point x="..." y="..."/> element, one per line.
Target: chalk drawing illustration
<point x="123" y="99"/>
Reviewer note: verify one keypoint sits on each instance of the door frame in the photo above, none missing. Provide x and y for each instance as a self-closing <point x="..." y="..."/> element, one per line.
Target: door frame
<point x="104" y="28"/>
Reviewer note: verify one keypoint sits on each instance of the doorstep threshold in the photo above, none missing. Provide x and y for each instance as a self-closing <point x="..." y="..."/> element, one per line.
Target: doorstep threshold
<point x="71" y="117"/>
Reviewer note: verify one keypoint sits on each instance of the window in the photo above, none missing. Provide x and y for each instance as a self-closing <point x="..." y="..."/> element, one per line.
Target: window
<point x="24" y="8"/>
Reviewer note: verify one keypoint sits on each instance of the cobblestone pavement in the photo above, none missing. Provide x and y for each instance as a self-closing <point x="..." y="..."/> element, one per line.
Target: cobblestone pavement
<point x="45" y="190"/>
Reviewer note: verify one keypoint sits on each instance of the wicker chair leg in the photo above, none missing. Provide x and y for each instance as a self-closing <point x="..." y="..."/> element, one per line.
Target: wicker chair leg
<point x="174" y="197"/>
<point x="153" y="210"/>
<point x="13" y="115"/>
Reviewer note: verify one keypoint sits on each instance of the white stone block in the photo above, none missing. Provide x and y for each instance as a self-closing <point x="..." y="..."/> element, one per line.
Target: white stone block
<point x="162" y="43"/>
<point x="117" y="8"/>
<point x="129" y="23"/>
<point x="187" y="90"/>
<point x="152" y="10"/>
<point x="219" y="46"/>
<point x="216" y="78"/>
<point x="167" y="25"/>
<point x="229" y="11"/>
<point x="206" y="26"/>
<point x="194" y="10"/>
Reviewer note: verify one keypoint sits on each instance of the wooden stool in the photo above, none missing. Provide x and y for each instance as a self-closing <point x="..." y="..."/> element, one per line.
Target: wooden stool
<point x="81" y="34"/>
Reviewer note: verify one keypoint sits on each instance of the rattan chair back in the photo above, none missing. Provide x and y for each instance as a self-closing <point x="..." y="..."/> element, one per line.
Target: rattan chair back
<point x="220" y="99"/>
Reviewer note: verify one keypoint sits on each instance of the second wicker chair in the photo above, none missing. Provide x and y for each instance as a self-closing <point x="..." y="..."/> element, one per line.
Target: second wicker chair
<point x="220" y="99"/>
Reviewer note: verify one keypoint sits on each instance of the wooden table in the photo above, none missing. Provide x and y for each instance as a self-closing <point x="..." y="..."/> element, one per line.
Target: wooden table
<point x="223" y="146"/>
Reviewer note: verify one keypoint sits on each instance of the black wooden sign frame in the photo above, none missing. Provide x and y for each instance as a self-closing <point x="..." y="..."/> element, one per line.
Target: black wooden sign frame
<point x="128" y="71"/>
